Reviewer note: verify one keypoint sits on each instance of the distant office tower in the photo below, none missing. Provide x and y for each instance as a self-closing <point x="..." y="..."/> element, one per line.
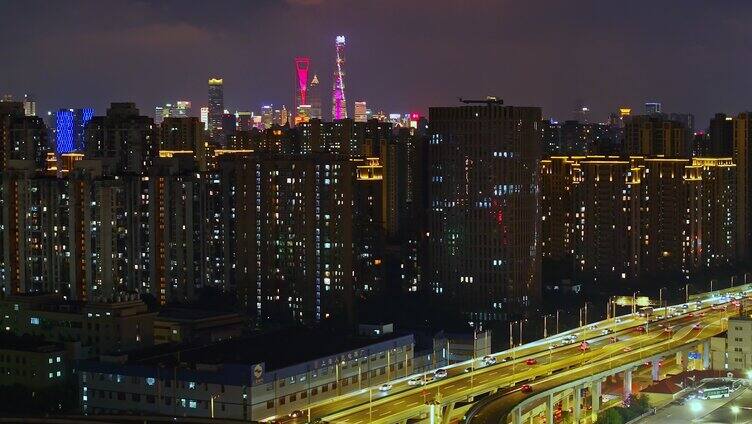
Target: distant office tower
<point x="302" y="64"/>
<point x="339" y="102"/>
<point x="651" y="135"/>
<point x="30" y="105"/>
<point x="360" y="112"/>
<point x="314" y="98"/>
<point x="180" y="109"/>
<point x="244" y="121"/>
<point x="70" y="125"/>
<point x="216" y="107"/>
<point x="124" y="136"/>
<point x="483" y="235"/>
<point x="652" y="108"/>
<point x="267" y="116"/>
<point x="205" y="117"/>
<point x="281" y="116"/>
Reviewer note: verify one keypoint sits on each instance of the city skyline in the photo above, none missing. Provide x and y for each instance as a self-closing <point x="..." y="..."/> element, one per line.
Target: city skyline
<point x="596" y="51"/>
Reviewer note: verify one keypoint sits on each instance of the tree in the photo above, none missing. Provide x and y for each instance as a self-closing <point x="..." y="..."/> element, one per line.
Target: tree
<point x="610" y="416"/>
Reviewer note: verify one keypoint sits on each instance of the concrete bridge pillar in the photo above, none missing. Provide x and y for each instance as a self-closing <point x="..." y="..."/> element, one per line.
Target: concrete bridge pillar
<point x="656" y="368"/>
<point x="446" y="411"/>
<point x="706" y="365"/>
<point x="627" y="382"/>
<point x="577" y="407"/>
<point x="550" y="408"/>
<point x="595" y="393"/>
<point x="517" y="415"/>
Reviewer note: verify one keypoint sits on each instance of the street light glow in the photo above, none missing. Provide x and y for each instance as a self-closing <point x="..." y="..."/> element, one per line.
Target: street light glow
<point x="695" y="406"/>
<point x="735" y="409"/>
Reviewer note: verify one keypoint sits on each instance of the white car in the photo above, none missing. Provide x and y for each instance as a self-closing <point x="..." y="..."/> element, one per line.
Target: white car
<point x="593" y="326"/>
<point x="385" y="387"/>
<point x="606" y="331"/>
<point x="489" y="360"/>
<point x="617" y="320"/>
<point x="420" y="380"/>
<point x="440" y="373"/>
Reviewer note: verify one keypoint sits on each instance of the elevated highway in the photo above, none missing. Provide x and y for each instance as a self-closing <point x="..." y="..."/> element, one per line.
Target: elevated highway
<point x="535" y="379"/>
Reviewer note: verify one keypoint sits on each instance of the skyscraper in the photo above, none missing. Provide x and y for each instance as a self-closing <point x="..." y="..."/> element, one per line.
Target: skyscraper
<point x="314" y="97"/>
<point x="70" y="124"/>
<point x="180" y="109"/>
<point x="360" y="112"/>
<point x="205" y="117"/>
<point x="483" y="227"/>
<point x="30" y="105"/>
<point x="339" y="102"/>
<point x="302" y="64"/>
<point x="216" y="107"/>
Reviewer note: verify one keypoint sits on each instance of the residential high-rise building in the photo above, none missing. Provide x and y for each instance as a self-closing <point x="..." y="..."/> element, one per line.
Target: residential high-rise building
<point x="267" y="116"/>
<point x="69" y="129"/>
<point x="124" y="136"/>
<point x="483" y="225"/>
<point x="720" y="141"/>
<point x="360" y="114"/>
<point x="742" y="155"/>
<point x="22" y="138"/>
<point x="216" y="107"/>
<point x="339" y="101"/>
<point x="606" y="213"/>
<point x="307" y="203"/>
<point x="652" y="135"/>
<point x="720" y="227"/>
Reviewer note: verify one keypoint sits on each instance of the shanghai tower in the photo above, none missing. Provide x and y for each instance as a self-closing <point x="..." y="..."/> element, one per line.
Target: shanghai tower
<point x="339" y="102"/>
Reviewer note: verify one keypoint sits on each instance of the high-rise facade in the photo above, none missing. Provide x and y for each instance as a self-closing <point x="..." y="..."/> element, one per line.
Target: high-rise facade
<point x="483" y="226"/>
<point x="216" y="107"/>
<point x="69" y="129"/>
<point x="652" y="135"/>
<point x="339" y="101"/>
<point x="360" y="112"/>
<point x="314" y="97"/>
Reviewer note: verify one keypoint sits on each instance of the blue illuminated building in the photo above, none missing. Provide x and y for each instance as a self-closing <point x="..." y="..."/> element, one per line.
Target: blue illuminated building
<point x="70" y="124"/>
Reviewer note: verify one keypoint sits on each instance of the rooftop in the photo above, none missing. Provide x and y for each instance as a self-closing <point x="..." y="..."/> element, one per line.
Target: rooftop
<point x="27" y="343"/>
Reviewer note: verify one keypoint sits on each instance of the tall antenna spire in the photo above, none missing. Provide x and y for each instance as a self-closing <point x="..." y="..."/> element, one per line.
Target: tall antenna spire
<point x="339" y="102"/>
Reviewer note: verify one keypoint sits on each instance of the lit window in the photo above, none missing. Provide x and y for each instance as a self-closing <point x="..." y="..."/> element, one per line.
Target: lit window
<point x="34" y="321"/>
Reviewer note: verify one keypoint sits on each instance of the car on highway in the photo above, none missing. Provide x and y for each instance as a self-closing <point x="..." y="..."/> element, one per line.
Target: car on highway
<point x="526" y="388"/>
<point x="420" y="380"/>
<point x="440" y="373"/>
<point x="613" y="339"/>
<point x="593" y="326"/>
<point x="506" y="359"/>
<point x="668" y="330"/>
<point x="697" y="326"/>
<point x="617" y="320"/>
<point x="627" y="349"/>
<point x="385" y="387"/>
<point x="606" y="331"/>
<point x="531" y="361"/>
<point x="489" y="360"/>
<point x="296" y="414"/>
<point x="640" y="329"/>
<point x="468" y="369"/>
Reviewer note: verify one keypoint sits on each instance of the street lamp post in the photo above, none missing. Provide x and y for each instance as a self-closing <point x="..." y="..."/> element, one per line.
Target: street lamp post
<point x="511" y="337"/>
<point x="735" y="410"/>
<point x="211" y="403"/>
<point x="557" y="320"/>
<point x="686" y="293"/>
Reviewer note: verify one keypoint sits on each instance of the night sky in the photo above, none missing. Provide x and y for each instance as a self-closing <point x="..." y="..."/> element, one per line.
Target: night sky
<point x="691" y="55"/>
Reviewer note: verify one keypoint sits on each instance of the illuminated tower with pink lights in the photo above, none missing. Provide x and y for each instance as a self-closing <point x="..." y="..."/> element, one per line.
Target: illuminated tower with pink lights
<point x="339" y="102"/>
<point x="302" y="64"/>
